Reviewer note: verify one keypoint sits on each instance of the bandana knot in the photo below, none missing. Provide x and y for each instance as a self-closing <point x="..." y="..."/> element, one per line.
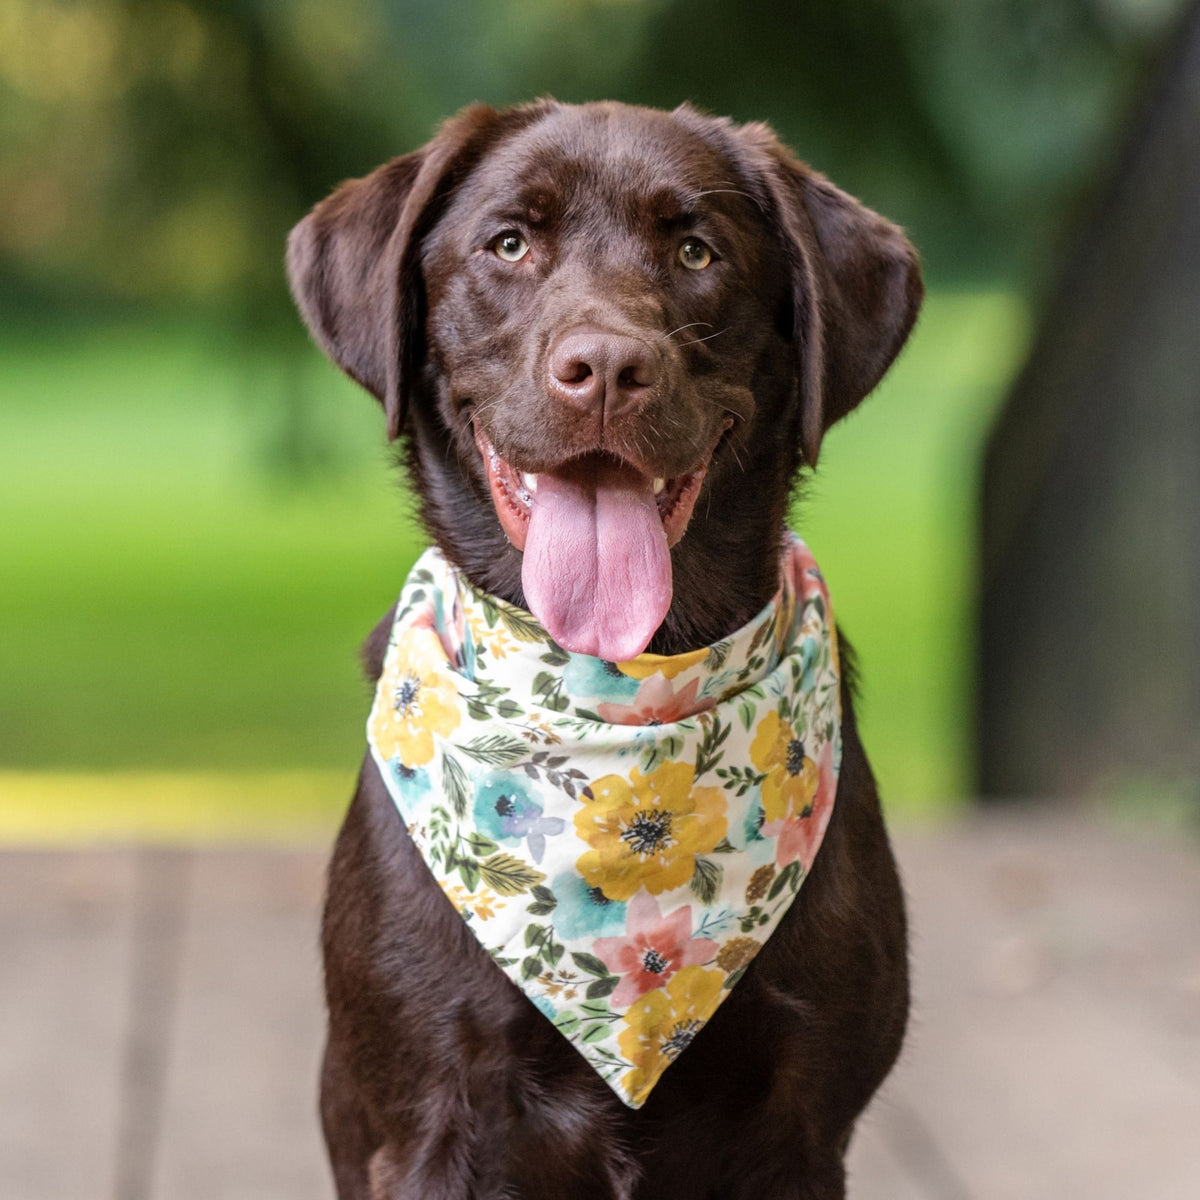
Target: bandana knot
<point x="622" y="838"/>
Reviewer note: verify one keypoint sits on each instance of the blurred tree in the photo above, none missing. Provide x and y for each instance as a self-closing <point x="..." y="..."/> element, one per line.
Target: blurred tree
<point x="158" y="150"/>
<point x="1090" y="538"/>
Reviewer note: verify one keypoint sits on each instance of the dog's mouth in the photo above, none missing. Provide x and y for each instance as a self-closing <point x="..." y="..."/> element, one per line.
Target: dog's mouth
<point x="515" y="492"/>
<point x="596" y="534"/>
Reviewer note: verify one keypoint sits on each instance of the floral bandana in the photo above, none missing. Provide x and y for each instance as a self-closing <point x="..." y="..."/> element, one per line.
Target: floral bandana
<point x="622" y="838"/>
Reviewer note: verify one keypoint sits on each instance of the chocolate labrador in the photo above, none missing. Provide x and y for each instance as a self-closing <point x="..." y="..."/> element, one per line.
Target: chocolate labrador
<point x="665" y="310"/>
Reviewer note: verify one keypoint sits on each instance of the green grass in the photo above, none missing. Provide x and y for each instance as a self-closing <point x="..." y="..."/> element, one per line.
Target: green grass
<point x="172" y="603"/>
<point x="892" y="517"/>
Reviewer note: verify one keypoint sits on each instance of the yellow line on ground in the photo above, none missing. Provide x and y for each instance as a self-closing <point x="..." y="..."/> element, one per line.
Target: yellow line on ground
<point x="67" y="808"/>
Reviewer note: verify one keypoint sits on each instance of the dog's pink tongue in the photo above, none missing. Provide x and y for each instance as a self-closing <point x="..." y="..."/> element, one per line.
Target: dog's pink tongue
<point x="597" y="570"/>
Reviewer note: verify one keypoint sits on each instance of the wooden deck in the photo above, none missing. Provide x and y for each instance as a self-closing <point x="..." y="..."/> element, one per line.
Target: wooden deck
<point x="160" y="1021"/>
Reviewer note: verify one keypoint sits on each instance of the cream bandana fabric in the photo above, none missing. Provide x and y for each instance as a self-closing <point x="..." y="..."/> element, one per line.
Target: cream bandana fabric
<point x="622" y="838"/>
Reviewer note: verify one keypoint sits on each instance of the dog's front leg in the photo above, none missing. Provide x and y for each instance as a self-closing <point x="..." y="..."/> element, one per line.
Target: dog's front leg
<point x="349" y="1138"/>
<point x="389" y="1180"/>
<point x="820" y="1181"/>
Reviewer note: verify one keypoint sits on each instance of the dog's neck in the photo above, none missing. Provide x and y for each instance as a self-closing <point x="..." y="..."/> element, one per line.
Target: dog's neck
<point x="726" y="567"/>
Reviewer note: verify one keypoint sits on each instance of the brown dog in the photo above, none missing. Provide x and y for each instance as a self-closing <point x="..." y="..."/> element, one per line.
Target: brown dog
<point x="679" y="298"/>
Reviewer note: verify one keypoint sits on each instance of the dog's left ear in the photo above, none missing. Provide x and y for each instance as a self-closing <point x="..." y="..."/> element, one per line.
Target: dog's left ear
<point x="354" y="262"/>
<point x="856" y="284"/>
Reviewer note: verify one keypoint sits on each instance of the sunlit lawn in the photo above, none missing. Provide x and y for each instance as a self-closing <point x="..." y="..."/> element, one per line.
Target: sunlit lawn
<point x="180" y="619"/>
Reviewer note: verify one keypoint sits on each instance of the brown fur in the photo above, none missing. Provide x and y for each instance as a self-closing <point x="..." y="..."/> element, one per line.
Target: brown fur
<point x="441" y="1080"/>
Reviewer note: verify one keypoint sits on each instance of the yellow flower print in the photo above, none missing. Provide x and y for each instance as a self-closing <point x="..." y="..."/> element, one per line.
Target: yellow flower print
<point x="500" y="644"/>
<point x="540" y="730"/>
<point x="669" y="665"/>
<point x="497" y="641"/>
<point x="661" y="1024"/>
<point x="418" y="699"/>
<point x="482" y="903"/>
<point x="645" y="831"/>
<point x="792" y="776"/>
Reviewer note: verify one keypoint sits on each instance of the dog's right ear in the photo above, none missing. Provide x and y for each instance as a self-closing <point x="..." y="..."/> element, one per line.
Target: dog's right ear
<point x="856" y="283"/>
<point x="354" y="262"/>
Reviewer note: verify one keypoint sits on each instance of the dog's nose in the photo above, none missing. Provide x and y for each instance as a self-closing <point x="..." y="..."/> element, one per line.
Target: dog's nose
<point x="595" y="371"/>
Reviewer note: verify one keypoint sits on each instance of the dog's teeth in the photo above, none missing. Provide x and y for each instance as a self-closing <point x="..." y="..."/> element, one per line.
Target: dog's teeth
<point x="659" y="484"/>
<point x="530" y="481"/>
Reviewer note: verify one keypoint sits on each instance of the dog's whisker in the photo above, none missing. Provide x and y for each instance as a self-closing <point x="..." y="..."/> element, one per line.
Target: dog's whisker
<point x="732" y="448"/>
<point x="681" y="328"/>
<point x="707" y="336"/>
<point x="483" y="408"/>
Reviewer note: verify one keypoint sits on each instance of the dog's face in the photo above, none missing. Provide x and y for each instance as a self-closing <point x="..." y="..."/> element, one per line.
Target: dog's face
<point x="610" y="321"/>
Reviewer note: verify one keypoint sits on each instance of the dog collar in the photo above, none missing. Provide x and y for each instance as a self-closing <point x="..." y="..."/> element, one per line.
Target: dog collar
<point x="622" y="838"/>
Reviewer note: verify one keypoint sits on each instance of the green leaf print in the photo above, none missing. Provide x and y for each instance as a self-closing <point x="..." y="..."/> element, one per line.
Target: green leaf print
<point x="522" y="625"/>
<point x="665" y="748"/>
<point x="481" y="846"/>
<point x="597" y="1012"/>
<point x="787" y="878"/>
<point x="706" y="880"/>
<point x="709" y="752"/>
<point x="508" y="876"/>
<point x="566" y="1023"/>
<point x="496" y="750"/>
<point x="454" y="780"/>
<point x="544" y="901"/>
<point x="468" y="868"/>
<point x="602" y="987"/>
<point x="590" y="963"/>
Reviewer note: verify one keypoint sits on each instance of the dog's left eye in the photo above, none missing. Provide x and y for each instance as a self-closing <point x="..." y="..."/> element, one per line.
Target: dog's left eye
<point x="510" y="246"/>
<point x="694" y="254"/>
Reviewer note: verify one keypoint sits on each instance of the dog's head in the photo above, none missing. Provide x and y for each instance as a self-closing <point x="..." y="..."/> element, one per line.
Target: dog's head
<point x="622" y="326"/>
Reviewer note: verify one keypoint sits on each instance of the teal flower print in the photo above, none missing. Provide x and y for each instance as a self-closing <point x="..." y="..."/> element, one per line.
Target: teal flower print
<point x="591" y="681"/>
<point x="809" y="653"/>
<point x="584" y="911"/>
<point x="752" y="826"/>
<point x="413" y="783"/>
<point x="506" y="810"/>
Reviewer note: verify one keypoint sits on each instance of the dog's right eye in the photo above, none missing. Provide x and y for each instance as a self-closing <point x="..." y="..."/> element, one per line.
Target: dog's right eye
<point x="510" y="246"/>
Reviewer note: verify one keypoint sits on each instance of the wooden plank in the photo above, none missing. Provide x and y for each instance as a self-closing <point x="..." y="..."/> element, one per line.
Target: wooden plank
<point x="1055" y="1002"/>
<point x="240" y="1111"/>
<point x="65" y="953"/>
<point x="153" y="990"/>
<point x="876" y="1168"/>
<point x="160" y="1021"/>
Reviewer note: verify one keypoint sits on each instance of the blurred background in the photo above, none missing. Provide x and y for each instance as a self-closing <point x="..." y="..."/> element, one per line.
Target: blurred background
<point x="200" y="519"/>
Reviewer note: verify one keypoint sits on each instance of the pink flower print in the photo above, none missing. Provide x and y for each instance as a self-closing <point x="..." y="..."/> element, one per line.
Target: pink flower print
<point x="799" y="836"/>
<point x="807" y="574"/>
<point x="653" y="949"/>
<point x="656" y="703"/>
<point x="453" y="627"/>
